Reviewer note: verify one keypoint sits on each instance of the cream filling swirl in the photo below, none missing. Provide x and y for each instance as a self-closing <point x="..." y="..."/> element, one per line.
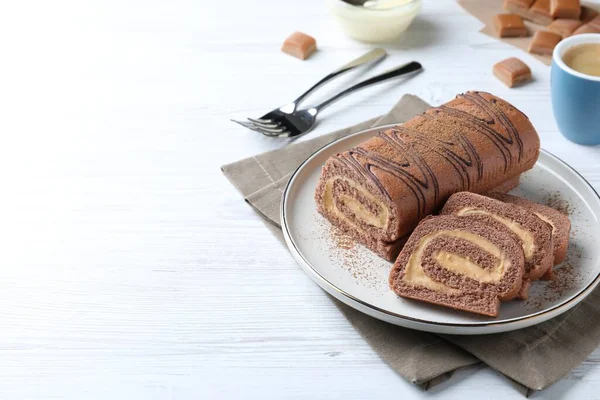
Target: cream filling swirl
<point x="378" y="221"/>
<point x="526" y="237"/>
<point x="416" y="275"/>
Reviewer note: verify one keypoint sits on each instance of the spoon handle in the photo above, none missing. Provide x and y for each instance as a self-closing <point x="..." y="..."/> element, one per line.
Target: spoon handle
<point x="373" y="55"/>
<point x="393" y="73"/>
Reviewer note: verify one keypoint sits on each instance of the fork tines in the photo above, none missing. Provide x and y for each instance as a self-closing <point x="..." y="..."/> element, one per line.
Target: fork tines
<point x="265" y="126"/>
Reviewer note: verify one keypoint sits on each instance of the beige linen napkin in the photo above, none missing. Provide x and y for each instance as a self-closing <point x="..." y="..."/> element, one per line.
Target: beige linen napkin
<point x="535" y="357"/>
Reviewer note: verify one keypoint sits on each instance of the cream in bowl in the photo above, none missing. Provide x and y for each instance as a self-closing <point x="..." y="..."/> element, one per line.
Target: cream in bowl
<point x="375" y="20"/>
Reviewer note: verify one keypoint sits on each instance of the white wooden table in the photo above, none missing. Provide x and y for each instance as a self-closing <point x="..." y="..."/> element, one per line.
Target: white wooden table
<point x="130" y="267"/>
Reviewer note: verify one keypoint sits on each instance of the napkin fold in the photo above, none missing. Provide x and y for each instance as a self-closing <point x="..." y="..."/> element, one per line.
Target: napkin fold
<point x="535" y="357"/>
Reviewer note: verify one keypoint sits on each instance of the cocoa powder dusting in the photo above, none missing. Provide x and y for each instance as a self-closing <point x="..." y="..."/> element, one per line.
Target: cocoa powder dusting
<point x="567" y="277"/>
<point x="556" y="201"/>
<point x="354" y="259"/>
<point x="342" y="240"/>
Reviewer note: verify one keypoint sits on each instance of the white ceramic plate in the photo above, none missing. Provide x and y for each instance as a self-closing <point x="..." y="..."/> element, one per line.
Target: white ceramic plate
<point x="359" y="278"/>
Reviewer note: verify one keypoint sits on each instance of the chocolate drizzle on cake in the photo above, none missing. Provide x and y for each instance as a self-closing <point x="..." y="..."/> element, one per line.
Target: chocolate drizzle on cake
<point x="491" y="109"/>
<point x="444" y="148"/>
<point x="405" y="141"/>
<point x="494" y="111"/>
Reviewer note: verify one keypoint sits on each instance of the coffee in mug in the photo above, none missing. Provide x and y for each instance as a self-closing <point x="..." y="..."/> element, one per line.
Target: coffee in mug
<point x="575" y="84"/>
<point x="584" y="58"/>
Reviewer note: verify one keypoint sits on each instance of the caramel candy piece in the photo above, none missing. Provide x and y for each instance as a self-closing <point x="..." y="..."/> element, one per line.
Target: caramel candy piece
<point x="540" y="12"/>
<point x="586" y="28"/>
<point x="587" y="14"/>
<point x="509" y="25"/>
<point x="565" y="9"/>
<point x="299" y="45"/>
<point x="544" y="42"/>
<point x="512" y="71"/>
<point x="564" y="27"/>
<point x="519" y="7"/>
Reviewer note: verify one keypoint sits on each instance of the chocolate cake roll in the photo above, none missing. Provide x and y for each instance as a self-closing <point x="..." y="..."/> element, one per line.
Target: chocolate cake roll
<point x="561" y="226"/>
<point x="534" y="234"/>
<point x="460" y="263"/>
<point x="378" y="191"/>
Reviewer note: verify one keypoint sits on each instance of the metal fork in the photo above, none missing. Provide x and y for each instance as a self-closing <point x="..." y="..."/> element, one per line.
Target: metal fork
<point x="370" y="57"/>
<point x="280" y="123"/>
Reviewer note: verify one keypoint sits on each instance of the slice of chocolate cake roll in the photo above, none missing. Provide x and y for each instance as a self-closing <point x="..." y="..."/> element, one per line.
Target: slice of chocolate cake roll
<point x="534" y="234"/>
<point x="378" y="191"/>
<point x="561" y="226"/>
<point x="460" y="263"/>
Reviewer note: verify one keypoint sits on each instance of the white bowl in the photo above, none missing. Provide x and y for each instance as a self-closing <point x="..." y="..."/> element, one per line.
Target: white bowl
<point x="380" y="24"/>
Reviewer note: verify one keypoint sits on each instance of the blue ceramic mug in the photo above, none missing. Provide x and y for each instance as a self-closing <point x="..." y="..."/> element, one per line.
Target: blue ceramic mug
<point x="575" y="96"/>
